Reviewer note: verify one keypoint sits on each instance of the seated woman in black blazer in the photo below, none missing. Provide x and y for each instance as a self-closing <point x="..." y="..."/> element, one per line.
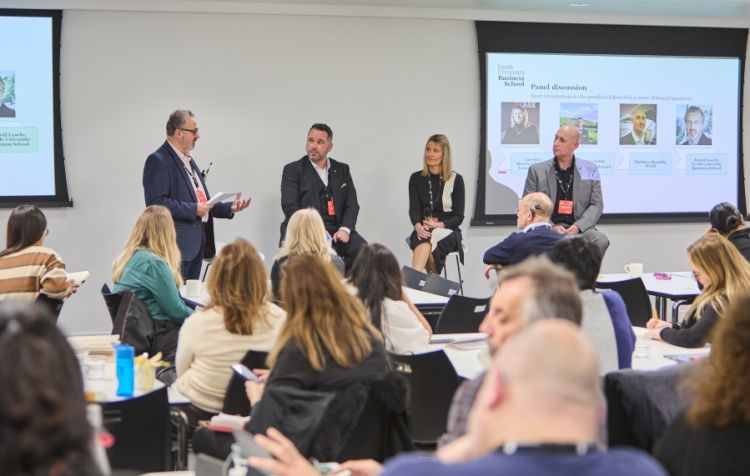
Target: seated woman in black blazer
<point x="723" y="275"/>
<point x="711" y="436"/>
<point x="436" y="203"/>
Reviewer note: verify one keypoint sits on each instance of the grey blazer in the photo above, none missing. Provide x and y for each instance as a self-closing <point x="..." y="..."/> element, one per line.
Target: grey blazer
<point x="587" y="189"/>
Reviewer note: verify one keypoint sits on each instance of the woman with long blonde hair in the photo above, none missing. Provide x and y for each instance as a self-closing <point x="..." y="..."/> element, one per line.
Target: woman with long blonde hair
<point x="149" y="267"/>
<point x="238" y="318"/>
<point x="305" y="234"/>
<point x="328" y="341"/>
<point x="723" y="274"/>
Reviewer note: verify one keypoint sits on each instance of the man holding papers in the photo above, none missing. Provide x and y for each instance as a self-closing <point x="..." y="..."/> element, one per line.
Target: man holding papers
<point x="172" y="178"/>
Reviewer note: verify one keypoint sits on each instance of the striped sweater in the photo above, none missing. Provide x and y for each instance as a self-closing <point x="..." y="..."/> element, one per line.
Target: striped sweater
<point x="30" y="271"/>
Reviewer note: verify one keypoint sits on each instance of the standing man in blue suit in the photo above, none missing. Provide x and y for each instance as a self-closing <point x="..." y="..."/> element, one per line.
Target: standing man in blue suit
<point x="172" y="178"/>
<point x="573" y="185"/>
<point x="536" y="235"/>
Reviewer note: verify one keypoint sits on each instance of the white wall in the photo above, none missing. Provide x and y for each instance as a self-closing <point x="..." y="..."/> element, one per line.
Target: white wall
<point x="256" y="83"/>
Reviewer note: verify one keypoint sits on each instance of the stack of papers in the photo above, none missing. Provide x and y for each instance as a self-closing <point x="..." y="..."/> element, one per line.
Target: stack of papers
<point x="95" y="344"/>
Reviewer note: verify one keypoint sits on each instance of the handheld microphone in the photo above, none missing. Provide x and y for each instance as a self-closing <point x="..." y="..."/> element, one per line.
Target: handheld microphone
<point x="204" y="174"/>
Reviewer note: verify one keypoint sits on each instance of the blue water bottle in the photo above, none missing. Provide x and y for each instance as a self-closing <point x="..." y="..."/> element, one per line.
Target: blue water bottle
<point x="125" y="356"/>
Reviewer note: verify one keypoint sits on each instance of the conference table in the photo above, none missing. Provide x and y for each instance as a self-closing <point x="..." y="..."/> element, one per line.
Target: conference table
<point x="469" y="353"/>
<point x="665" y="286"/>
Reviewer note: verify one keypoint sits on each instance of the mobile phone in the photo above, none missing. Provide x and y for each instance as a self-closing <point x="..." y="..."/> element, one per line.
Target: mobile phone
<point x="244" y="372"/>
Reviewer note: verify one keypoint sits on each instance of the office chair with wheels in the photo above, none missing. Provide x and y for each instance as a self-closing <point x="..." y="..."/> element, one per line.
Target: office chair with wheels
<point x="637" y="302"/>
<point x="462" y="314"/>
<point x="432" y="382"/>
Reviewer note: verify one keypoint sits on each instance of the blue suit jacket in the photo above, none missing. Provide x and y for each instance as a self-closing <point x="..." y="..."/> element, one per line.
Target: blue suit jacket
<point x="519" y="245"/>
<point x="167" y="183"/>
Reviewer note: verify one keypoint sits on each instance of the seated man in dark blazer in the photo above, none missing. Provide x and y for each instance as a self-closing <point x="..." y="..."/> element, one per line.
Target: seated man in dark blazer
<point x="319" y="182"/>
<point x="536" y="235"/>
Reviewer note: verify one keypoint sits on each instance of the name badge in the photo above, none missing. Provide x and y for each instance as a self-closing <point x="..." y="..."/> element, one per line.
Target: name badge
<point x="201" y="196"/>
<point x="331" y="209"/>
<point x="565" y="207"/>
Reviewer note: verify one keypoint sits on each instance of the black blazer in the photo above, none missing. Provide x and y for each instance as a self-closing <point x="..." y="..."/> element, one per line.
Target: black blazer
<point x="301" y="186"/>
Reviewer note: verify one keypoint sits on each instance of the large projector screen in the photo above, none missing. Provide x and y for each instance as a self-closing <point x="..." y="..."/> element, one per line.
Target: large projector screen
<point x="662" y="125"/>
<point x="31" y="153"/>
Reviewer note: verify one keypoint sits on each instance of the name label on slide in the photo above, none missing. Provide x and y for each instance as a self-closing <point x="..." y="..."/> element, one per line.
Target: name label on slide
<point x="521" y="161"/>
<point x="19" y="139"/>
<point x="706" y="164"/>
<point x="650" y="164"/>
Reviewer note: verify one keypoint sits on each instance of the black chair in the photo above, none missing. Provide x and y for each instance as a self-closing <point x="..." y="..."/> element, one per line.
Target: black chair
<point x="235" y="398"/>
<point x="412" y="278"/>
<point x="112" y="300"/>
<point x="53" y="305"/>
<point x="637" y="302"/>
<point x="432" y="383"/>
<point x="142" y="430"/>
<point x="133" y="324"/>
<point x="438" y="285"/>
<point x="462" y="314"/>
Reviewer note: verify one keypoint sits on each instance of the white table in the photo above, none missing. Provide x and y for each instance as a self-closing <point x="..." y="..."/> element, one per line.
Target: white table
<point x="680" y="286"/>
<point x="656" y="351"/>
<point x="105" y="387"/>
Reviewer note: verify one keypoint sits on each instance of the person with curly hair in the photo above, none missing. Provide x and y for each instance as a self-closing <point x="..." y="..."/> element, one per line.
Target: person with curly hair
<point x="711" y="436"/>
<point x="723" y="275"/>
<point x="43" y="425"/>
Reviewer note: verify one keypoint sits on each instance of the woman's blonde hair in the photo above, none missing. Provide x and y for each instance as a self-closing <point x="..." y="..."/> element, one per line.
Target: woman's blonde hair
<point x="525" y="122"/>
<point x="238" y="285"/>
<point x="719" y="384"/>
<point x="445" y="146"/>
<point x="727" y="270"/>
<point x="155" y="232"/>
<point x="322" y="315"/>
<point x="305" y="234"/>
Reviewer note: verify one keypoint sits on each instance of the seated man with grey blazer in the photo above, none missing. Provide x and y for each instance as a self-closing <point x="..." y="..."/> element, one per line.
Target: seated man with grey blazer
<point x="573" y="185"/>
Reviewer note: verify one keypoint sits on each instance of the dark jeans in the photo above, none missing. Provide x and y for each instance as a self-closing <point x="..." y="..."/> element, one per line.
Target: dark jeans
<point x="348" y="251"/>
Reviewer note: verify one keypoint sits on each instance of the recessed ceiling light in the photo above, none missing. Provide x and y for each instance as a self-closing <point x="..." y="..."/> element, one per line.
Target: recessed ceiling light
<point x="579" y="4"/>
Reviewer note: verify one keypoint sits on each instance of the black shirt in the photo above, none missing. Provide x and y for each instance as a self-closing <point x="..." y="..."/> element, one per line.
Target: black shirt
<point x="564" y="179"/>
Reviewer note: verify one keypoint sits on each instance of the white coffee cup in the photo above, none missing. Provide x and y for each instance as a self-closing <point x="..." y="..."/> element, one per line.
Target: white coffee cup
<point x="634" y="269"/>
<point x="194" y="287"/>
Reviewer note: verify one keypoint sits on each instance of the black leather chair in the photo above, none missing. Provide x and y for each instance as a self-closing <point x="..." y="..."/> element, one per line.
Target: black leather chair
<point x="412" y="278"/>
<point x="235" y="398"/>
<point x="438" y="285"/>
<point x="637" y="302"/>
<point x="141" y="427"/>
<point x="432" y="383"/>
<point x="462" y="314"/>
<point x="53" y="305"/>
<point x="112" y="300"/>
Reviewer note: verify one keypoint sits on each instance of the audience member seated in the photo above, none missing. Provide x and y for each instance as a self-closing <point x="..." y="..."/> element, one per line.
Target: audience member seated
<point x="536" y="235"/>
<point x="722" y="274"/>
<point x="149" y="267"/>
<point x="711" y="436"/>
<point x="27" y="267"/>
<point x="379" y="283"/>
<point x="727" y="221"/>
<point x="605" y="318"/>
<point x="533" y="290"/>
<point x="238" y="318"/>
<point x="537" y="413"/>
<point x="328" y="341"/>
<point x="43" y="425"/>
<point x="436" y="207"/>
<point x="305" y="234"/>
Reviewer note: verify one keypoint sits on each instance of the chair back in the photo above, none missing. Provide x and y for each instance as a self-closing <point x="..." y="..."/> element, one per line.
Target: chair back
<point x="436" y="284"/>
<point x="432" y="382"/>
<point x="142" y="432"/>
<point x="53" y="305"/>
<point x="112" y="300"/>
<point x="133" y="323"/>
<point x="462" y="314"/>
<point x="235" y="398"/>
<point x="412" y="278"/>
<point x="637" y="302"/>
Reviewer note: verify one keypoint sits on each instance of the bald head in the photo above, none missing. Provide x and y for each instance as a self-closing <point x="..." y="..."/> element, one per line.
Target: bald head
<point x="552" y="360"/>
<point x="535" y="207"/>
<point x="567" y="140"/>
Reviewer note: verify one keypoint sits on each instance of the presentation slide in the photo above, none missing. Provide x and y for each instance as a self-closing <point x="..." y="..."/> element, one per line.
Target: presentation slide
<point x="662" y="130"/>
<point x="27" y="109"/>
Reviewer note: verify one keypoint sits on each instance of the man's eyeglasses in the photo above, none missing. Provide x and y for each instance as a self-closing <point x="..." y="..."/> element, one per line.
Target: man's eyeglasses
<point x="194" y="131"/>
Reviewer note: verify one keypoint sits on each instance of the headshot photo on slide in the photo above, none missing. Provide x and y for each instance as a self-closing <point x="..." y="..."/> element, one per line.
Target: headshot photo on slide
<point x="694" y="124"/>
<point x="637" y="124"/>
<point x="520" y="122"/>
<point x="7" y="94"/>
